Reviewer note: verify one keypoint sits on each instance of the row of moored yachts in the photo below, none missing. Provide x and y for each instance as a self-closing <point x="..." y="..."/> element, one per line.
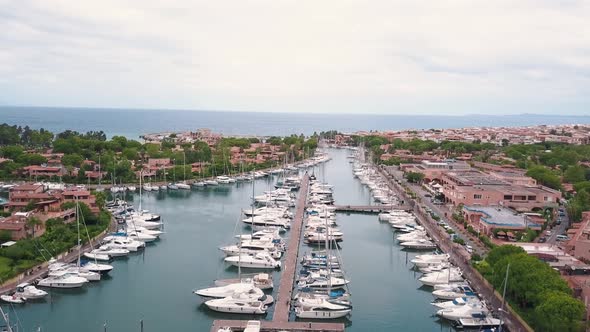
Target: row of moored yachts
<point x="228" y="179"/>
<point x="135" y="229"/>
<point x="455" y="300"/>
<point x="322" y="286"/>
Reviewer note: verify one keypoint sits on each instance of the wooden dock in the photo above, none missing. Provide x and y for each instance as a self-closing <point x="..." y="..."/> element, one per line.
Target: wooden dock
<point x="370" y="208"/>
<point x="283" y="301"/>
<point x="268" y="326"/>
<point x="280" y="321"/>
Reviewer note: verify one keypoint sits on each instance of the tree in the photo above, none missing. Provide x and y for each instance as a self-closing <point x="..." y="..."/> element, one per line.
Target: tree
<point x="414" y="177"/>
<point x="559" y="312"/>
<point x="544" y="176"/>
<point x="30" y="206"/>
<point x="575" y="174"/>
<point x="274" y="140"/>
<point x="12" y="151"/>
<point x="5" y="236"/>
<point x="72" y="160"/>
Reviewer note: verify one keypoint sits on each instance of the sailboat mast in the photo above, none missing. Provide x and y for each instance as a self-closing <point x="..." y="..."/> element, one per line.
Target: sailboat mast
<point x="78" y="229"/>
<point x="140" y="188"/>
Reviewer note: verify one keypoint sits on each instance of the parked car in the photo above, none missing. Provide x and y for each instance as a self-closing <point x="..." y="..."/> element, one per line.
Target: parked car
<point x="562" y="237"/>
<point x="542" y="239"/>
<point x="428" y="195"/>
<point x="547" y="232"/>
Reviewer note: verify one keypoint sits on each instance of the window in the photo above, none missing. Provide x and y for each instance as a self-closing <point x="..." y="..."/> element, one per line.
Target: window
<point x="508" y="197"/>
<point x="477" y="196"/>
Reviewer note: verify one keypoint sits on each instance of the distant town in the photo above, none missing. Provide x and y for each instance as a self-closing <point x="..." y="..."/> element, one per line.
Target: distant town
<point x="487" y="187"/>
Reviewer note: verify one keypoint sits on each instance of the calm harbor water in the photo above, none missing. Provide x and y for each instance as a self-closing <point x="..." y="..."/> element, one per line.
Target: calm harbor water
<point x="156" y="285"/>
<point x="133" y="123"/>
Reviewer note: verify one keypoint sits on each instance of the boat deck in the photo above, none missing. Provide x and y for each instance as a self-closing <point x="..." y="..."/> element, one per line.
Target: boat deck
<point x="280" y="321"/>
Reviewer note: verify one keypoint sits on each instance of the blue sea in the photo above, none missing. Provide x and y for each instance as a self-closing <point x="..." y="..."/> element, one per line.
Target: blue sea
<point x="132" y="123"/>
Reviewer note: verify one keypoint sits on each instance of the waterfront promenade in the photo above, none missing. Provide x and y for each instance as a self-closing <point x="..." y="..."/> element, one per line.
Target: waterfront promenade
<point x="461" y="258"/>
<point x="40" y="271"/>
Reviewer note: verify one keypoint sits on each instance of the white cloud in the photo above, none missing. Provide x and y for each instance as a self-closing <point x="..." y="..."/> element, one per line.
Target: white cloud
<point x="283" y="55"/>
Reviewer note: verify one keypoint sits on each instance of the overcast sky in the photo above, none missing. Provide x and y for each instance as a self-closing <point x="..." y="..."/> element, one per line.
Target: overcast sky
<point x="377" y="56"/>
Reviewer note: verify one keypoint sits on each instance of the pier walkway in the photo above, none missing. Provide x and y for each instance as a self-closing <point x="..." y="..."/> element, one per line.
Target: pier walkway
<point x="280" y="321"/>
<point x="370" y="208"/>
<point x="282" y="306"/>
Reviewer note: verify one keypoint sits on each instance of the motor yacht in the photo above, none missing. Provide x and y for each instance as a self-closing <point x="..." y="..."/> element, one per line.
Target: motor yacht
<point x="259" y="261"/>
<point x="62" y="280"/>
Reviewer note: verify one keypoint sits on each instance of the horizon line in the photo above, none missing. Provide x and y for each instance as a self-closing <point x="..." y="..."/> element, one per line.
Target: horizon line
<point x="134" y="109"/>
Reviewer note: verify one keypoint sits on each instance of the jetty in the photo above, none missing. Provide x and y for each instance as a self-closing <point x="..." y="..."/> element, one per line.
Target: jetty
<point x="370" y="208"/>
<point x="280" y="319"/>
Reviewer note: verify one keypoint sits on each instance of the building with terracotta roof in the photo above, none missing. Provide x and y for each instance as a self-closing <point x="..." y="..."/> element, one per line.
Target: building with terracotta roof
<point x="43" y="171"/>
<point x="16" y="224"/>
<point x="477" y="188"/>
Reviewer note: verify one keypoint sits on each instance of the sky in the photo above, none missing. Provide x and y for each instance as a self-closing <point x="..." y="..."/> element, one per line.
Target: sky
<point x="375" y="56"/>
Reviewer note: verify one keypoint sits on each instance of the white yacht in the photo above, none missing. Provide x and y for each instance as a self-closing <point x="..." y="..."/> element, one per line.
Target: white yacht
<point x="12" y="299"/>
<point x="268" y="221"/>
<point x="315" y="280"/>
<point x="453" y="293"/>
<point x="95" y="254"/>
<point x="228" y="290"/>
<point x="121" y="242"/>
<point x="460" y="301"/>
<point x="431" y="259"/>
<point x="183" y="186"/>
<point x="260" y="280"/>
<point x="419" y="244"/>
<point x="321" y="309"/>
<point x="57" y="269"/>
<point x="211" y="182"/>
<point x="142" y="237"/>
<point x="63" y="280"/>
<point x="98" y="268"/>
<point x="111" y="252"/>
<point x="258" y="261"/>
<point x="222" y="179"/>
<point x="251" y="249"/>
<point x="464" y="311"/>
<point x="29" y="292"/>
<point x="479" y="322"/>
<point x="238" y="304"/>
<point x="441" y="277"/>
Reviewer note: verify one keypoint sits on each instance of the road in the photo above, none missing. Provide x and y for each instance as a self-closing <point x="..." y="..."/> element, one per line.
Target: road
<point x="460" y="258"/>
<point x="558" y="229"/>
<point x="443" y="211"/>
